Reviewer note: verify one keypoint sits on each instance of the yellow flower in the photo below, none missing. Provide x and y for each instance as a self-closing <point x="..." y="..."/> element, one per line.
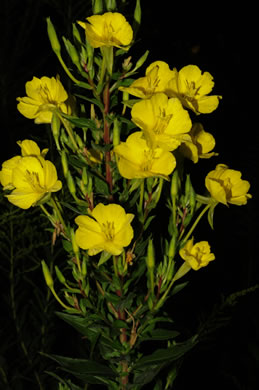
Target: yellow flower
<point x="109" y="29"/>
<point x="163" y="120"/>
<point x="28" y="148"/>
<point x="108" y="230"/>
<point x="157" y="77"/>
<point x="192" y="88"/>
<point x="201" y="144"/>
<point x="32" y="178"/>
<point x="136" y="160"/>
<point x="197" y="255"/>
<point x="44" y="95"/>
<point x="226" y="186"/>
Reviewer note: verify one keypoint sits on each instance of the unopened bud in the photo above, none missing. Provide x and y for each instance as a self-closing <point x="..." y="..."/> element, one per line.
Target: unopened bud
<point x="53" y="37"/>
<point x="71" y="183"/>
<point x="172" y="246"/>
<point x="76" y="33"/>
<point x="73" y="54"/>
<point x="111" y="5"/>
<point x="174" y="185"/>
<point x="84" y="267"/>
<point x="60" y="276"/>
<point x="64" y="163"/>
<point x="116" y="132"/>
<point x="97" y="6"/>
<point x="73" y="240"/>
<point x="150" y="259"/>
<point x="84" y="176"/>
<point x="47" y="275"/>
<point x="137" y="16"/>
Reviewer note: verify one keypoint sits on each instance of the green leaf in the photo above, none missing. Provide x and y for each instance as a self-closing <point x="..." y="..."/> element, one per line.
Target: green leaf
<point x="178" y="287"/>
<point x="88" y="370"/>
<point x="91" y="100"/>
<point x="68" y="383"/>
<point x="161" y="334"/>
<point x="164" y="356"/>
<point x="81" y="122"/>
<point x="101" y="186"/>
<point x="81" y="324"/>
<point x="144" y="376"/>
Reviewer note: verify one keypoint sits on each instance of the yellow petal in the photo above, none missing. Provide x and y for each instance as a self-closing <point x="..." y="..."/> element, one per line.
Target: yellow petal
<point x="6" y="174"/>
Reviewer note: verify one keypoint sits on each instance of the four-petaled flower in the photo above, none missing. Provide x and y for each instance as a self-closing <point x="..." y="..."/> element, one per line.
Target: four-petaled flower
<point x="108" y="229"/>
<point x="226" y="186"/>
<point x="201" y="144"/>
<point x="157" y="77"/>
<point x="109" y="29"/>
<point x="29" y="177"/>
<point x="44" y="96"/>
<point x="136" y="160"/>
<point x="196" y="255"/>
<point x="164" y="121"/>
<point x="192" y="88"/>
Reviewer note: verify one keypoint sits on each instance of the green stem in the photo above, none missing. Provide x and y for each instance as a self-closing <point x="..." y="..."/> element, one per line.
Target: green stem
<point x="55" y="206"/>
<point x="69" y="131"/>
<point x="195" y="223"/>
<point x="59" y="300"/>
<point x="67" y="70"/>
<point x="163" y="298"/>
<point x="115" y="265"/>
<point x="141" y="196"/>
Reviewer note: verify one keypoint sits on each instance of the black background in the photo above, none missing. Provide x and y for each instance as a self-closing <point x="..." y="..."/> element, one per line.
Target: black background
<point x="222" y="42"/>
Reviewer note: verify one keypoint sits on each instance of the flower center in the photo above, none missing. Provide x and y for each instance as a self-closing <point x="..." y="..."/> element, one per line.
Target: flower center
<point x="33" y="179"/>
<point x="227" y="187"/>
<point x="148" y="159"/>
<point x="162" y="121"/>
<point x="109" y="230"/>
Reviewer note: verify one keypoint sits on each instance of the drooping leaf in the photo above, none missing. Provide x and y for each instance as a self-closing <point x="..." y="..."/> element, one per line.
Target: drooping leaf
<point x="85" y="369"/>
<point x="161" y="334"/>
<point x="170" y="354"/>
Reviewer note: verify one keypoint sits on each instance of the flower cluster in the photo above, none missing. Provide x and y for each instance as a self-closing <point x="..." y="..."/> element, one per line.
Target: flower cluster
<point x="119" y="174"/>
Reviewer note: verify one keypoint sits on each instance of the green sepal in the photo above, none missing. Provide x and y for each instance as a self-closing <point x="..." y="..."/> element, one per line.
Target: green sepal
<point x="105" y="256"/>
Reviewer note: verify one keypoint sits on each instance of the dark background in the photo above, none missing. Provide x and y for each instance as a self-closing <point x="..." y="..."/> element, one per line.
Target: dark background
<point x="221" y="42"/>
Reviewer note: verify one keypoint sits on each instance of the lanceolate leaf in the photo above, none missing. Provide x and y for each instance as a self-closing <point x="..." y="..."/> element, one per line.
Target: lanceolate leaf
<point x="161" y="356"/>
<point x="87" y="370"/>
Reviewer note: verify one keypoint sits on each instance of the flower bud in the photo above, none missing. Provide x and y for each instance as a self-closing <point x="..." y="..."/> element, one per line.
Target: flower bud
<point x="116" y="132"/>
<point x="64" y="162"/>
<point x="137" y="16"/>
<point x="84" y="176"/>
<point x="97" y="6"/>
<point x="111" y="5"/>
<point x="71" y="183"/>
<point x="47" y="275"/>
<point x="84" y="267"/>
<point x="53" y="37"/>
<point x="150" y="259"/>
<point x="60" y="276"/>
<point x="73" y="240"/>
<point x="141" y="61"/>
<point x="76" y="33"/>
<point x="172" y="246"/>
<point x="190" y="197"/>
<point x="55" y="127"/>
<point x="73" y="54"/>
<point x="174" y="185"/>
